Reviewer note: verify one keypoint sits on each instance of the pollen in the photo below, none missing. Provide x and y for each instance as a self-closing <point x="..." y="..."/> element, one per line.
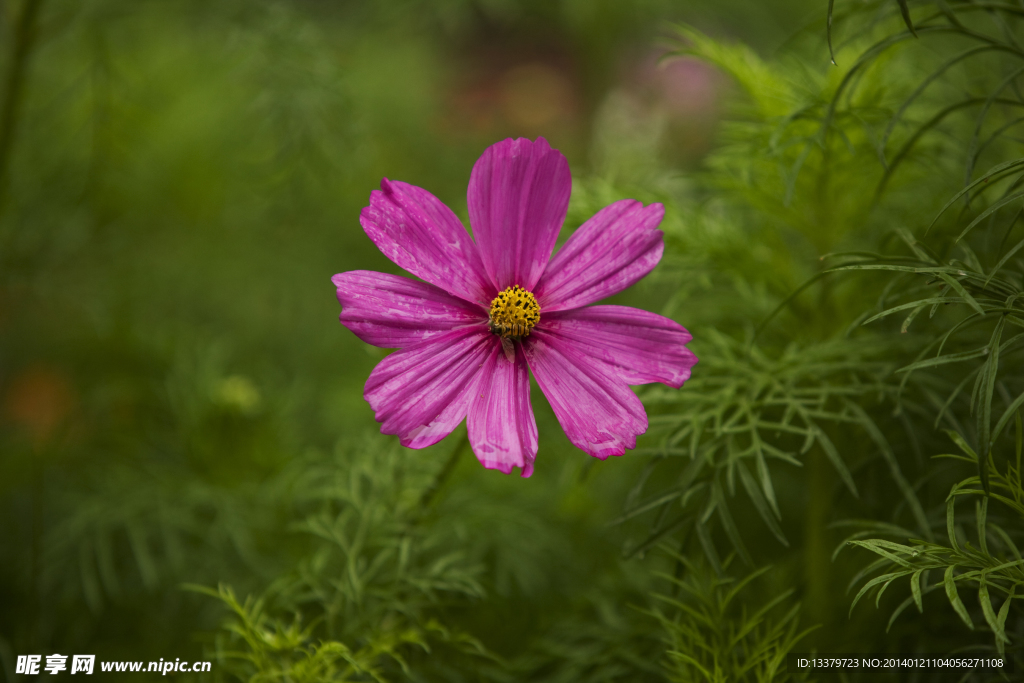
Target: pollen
<point x="513" y="313"/>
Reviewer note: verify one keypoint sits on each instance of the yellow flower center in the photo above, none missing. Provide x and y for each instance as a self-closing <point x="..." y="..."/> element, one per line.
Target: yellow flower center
<point x="513" y="313"/>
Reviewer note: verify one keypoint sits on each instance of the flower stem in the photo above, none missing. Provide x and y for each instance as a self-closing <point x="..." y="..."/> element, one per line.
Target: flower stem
<point x="817" y="561"/>
<point x="446" y="471"/>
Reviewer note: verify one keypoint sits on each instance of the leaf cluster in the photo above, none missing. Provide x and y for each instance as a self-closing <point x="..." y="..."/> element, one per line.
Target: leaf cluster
<point x="713" y="636"/>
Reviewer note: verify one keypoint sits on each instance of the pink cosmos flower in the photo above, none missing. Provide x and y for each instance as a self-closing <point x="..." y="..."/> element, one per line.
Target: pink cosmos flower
<point x="489" y="310"/>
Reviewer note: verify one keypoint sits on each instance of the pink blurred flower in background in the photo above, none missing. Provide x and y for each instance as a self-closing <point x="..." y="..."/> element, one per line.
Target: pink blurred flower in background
<point x="687" y="87"/>
<point x="491" y="311"/>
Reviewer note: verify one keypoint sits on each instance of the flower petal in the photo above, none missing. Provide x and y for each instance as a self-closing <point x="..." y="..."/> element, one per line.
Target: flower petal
<point x="502" y="429"/>
<point x="394" y="312"/>
<point x="518" y="196"/>
<point x="418" y="232"/>
<point x="641" y="347"/>
<point x="614" y="249"/>
<point x="597" y="410"/>
<point x="423" y="392"/>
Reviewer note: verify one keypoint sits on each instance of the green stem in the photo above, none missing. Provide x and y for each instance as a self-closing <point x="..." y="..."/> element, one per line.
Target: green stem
<point x="446" y="471"/>
<point x="817" y="561"/>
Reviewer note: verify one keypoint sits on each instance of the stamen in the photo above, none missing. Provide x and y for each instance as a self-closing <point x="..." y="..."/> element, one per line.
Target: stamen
<point x="514" y="312"/>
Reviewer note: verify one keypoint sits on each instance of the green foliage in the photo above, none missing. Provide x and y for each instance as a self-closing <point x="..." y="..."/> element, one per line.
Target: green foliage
<point x="993" y="567"/>
<point x="365" y="594"/>
<point x="799" y="173"/>
<point x="733" y="422"/>
<point x="713" y="637"/>
<point x="962" y="260"/>
<point x="281" y="652"/>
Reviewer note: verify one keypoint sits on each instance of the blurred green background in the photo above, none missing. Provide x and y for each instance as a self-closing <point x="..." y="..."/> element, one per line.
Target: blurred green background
<point x="179" y="406"/>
